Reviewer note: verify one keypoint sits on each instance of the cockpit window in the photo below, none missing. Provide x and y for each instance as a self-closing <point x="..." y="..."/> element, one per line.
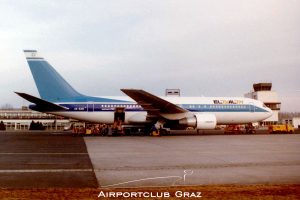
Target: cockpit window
<point x="264" y="105"/>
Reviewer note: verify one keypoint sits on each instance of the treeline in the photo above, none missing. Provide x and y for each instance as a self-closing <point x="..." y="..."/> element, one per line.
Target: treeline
<point x="2" y="126"/>
<point x="7" y="106"/>
<point x="288" y="115"/>
<point x="36" y="126"/>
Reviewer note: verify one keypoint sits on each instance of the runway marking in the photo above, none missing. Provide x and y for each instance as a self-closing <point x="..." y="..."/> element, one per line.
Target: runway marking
<point x="185" y="173"/>
<point x="44" y="170"/>
<point x="44" y="153"/>
<point x="202" y="166"/>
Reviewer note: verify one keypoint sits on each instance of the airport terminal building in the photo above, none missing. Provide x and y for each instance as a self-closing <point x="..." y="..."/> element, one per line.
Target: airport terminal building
<point x="20" y="119"/>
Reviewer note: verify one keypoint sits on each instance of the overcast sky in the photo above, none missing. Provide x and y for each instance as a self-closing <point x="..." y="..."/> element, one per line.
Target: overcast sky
<point x="205" y="48"/>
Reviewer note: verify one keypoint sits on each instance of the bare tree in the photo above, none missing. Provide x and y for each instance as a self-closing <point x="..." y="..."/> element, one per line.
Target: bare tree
<point x="288" y="115"/>
<point x="7" y="106"/>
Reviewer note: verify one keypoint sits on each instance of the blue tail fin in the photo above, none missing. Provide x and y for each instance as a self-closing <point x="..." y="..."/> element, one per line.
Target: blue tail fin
<point x="50" y="84"/>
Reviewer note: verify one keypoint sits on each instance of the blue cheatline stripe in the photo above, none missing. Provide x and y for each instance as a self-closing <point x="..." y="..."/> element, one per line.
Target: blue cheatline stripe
<point x="34" y="58"/>
<point x="108" y="107"/>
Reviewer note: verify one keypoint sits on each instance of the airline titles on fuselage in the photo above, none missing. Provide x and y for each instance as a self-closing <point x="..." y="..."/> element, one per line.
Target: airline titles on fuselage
<point x="228" y="101"/>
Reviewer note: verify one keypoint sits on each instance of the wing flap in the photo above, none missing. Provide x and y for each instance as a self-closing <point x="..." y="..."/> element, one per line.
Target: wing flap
<point x="153" y="104"/>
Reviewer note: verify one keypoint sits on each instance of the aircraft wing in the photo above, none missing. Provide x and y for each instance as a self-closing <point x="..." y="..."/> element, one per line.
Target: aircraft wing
<point x="41" y="105"/>
<point x="155" y="105"/>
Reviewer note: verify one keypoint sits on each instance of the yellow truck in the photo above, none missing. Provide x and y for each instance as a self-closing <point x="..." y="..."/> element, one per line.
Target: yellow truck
<point x="284" y="128"/>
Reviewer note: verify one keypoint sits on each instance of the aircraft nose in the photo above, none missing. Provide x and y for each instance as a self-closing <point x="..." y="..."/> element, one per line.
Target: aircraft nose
<point x="270" y="112"/>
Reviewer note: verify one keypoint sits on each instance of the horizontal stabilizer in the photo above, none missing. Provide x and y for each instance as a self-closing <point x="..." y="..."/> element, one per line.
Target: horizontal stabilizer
<point x="41" y="105"/>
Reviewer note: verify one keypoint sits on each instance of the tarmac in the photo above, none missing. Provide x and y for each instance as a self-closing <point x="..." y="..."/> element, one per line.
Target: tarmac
<point x="43" y="160"/>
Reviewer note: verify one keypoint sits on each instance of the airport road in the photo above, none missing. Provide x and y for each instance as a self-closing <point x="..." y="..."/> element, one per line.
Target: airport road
<point x="43" y="160"/>
<point x="209" y="159"/>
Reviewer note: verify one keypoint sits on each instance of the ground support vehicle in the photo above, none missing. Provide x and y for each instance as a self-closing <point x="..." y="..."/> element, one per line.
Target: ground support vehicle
<point x="284" y="128"/>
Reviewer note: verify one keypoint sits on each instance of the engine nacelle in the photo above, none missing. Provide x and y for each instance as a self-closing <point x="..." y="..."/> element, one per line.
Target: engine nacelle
<point x="200" y="121"/>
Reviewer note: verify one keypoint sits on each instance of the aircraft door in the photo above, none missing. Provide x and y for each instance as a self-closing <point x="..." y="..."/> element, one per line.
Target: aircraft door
<point x="90" y="107"/>
<point x="252" y="107"/>
<point x="119" y="115"/>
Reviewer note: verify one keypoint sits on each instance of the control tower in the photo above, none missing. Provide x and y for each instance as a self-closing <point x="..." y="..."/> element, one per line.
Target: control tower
<point x="263" y="92"/>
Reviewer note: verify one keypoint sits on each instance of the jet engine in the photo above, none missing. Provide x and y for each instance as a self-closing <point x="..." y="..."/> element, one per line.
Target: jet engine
<point x="200" y="121"/>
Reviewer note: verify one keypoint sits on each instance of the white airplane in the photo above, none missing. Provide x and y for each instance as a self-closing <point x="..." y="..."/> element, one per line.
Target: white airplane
<point x="139" y="107"/>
